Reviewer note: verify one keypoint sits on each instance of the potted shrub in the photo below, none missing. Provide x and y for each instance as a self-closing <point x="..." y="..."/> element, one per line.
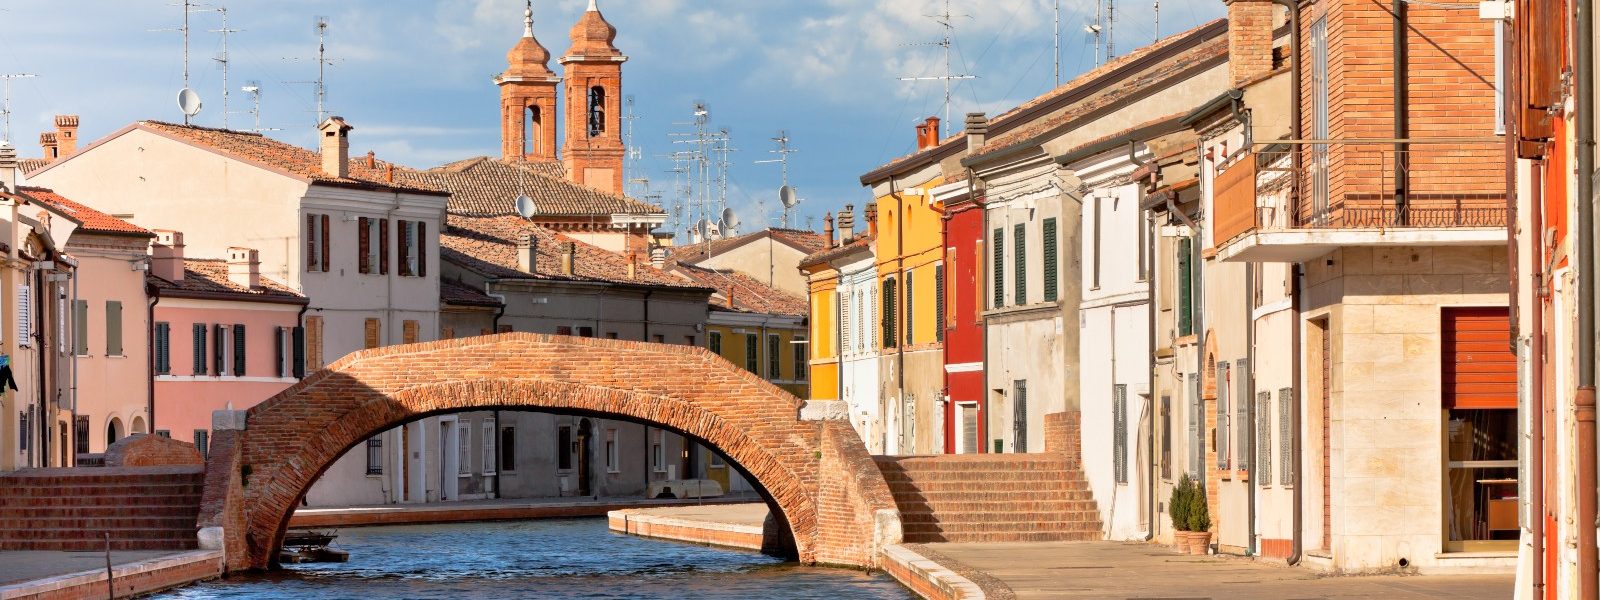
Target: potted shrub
<point x="1178" y="507"/>
<point x="1199" y="521"/>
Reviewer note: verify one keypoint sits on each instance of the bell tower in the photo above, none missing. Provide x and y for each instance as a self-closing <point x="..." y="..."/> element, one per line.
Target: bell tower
<point x="593" y="69"/>
<point x="528" y="99"/>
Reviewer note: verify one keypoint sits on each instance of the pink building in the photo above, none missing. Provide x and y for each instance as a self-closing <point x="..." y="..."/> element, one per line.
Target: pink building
<point x="222" y="334"/>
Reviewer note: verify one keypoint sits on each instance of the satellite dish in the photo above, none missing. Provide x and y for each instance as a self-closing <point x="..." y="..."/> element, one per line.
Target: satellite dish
<point x="703" y="228"/>
<point x="729" y="220"/>
<point x="788" y="197"/>
<point x="189" y="102"/>
<point x="525" y="207"/>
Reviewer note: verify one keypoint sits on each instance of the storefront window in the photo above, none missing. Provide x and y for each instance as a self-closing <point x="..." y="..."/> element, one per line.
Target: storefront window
<point x="1481" y="486"/>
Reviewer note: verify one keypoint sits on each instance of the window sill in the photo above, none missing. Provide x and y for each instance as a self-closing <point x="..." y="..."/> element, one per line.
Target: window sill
<point x="463" y="475"/>
<point x="371" y="475"/>
<point x="488" y="473"/>
<point x="613" y="471"/>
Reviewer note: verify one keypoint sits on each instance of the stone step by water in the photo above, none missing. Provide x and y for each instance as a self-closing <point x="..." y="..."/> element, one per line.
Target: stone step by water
<point x="992" y="498"/>
<point x="142" y="508"/>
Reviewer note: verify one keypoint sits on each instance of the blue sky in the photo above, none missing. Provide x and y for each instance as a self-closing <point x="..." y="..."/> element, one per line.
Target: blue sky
<point x="414" y="75"/>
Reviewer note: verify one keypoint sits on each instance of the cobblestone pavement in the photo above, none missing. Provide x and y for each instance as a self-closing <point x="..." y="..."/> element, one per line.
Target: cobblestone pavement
<point x="26" y="565"/>
<point x="1135" y="571"/>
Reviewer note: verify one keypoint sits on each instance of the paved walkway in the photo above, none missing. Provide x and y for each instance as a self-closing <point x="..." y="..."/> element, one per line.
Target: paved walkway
<point x="730" y="514"/>
<point x="1141" y="571"/>
<point x="27" y="565"/>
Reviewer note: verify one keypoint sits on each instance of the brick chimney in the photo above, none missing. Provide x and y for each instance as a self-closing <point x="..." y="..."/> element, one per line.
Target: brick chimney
<point x="528" y="254"/>
<point x="569" y="250"/>
<point x="847" y="224"/>
<point x="633" y="266"/>
<point x="166" y="255"/>
<point x="872" y="219"/>
<point x="827" y="229"/>
<point x="335" y="147"/>
<point x="1249" y="39"/>
<point x="928" y="133"/>
<point x="244" y="267"/>
<point x="9" y="172"/>
<point x="48" y="146"/>
<point x="977" y="131"/>
<point x="67" y="134"/>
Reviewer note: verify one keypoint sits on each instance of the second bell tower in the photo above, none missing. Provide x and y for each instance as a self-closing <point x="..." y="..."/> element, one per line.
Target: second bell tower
<point x="593" y="69"/>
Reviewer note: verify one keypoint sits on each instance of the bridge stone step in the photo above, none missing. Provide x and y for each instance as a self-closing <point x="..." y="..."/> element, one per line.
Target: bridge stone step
<point x="142" y="508"/>
<point x="1011" y="497"/>
<point x="1032" y="536"/>
<point x="94" y="545"/>
<point x="1042" y="518"/>
<point x="992" y="506"/>
<point x="99" y="511"/>
<point x="107" y="523"/>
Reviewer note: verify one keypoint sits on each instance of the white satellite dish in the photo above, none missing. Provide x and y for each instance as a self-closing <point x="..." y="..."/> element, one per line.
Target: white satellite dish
<point x="729" y="220"/>
<point x="788" y="197"/>
<point x="525" y="207"/>
<point x="189" y="102"/>
<point x="704" y="228"/>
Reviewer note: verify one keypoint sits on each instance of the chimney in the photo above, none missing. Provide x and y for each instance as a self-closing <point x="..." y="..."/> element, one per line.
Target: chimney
<point x="244" y="267"/>
<point x="633" y="266"/>
<point x="528" y="254"/>
<point x="66" y="134"/>
<point x="568" y="250"/>
<point x="658" y="257"/>
<point x="166" y="255"/>
<point x="847" y="224"/>
<point x="928" y="133"/>
<point x="827" y="229"/>
<point x="335" y="147"/>
<point x="977" y="131"/>
<point x="872" y="219"/>
<point x="372" y="159"/>
<point x="1249" y="40"/>
<point x="9" y="172"/>
<point x="47" y="146"/>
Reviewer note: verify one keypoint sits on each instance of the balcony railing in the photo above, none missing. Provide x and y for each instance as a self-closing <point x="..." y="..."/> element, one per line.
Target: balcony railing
<point x="1369" y="185"/>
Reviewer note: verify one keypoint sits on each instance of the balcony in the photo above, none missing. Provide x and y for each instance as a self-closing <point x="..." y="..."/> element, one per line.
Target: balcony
<point x="1430" y="192"/>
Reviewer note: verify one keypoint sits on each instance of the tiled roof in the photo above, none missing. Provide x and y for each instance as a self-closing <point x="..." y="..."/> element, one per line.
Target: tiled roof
<point x="92" y="221"/>
<point x="29" y="165"/>
<point x="292" y="159"/>
<point x="210" y="276"/>
<point x="488" y="246"/>
<point x="454" y="292"/>
<point x="832" y="253"/>
<point x="483" y="187"/>
<point x="747" y="293"/>
<point x="800" y="239"/>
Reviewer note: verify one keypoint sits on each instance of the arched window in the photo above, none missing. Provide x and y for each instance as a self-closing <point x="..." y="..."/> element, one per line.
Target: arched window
<point x="597" y="111"/>
<point x="532" y="139"/>
<point x="113" y="431"/>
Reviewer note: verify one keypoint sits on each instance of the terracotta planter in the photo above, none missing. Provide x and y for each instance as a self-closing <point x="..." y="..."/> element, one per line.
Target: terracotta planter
<point x="1199" y="542"/>
<point x="1181" y="540"/>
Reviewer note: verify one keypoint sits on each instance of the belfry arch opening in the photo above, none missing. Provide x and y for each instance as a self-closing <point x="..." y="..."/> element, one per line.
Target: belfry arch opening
<point x="533" y="134"/>
<point x="597" y="111"/>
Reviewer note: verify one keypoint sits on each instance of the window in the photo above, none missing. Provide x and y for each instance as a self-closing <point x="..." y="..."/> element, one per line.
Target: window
<point x="219" y="349"/>
<point x="999" y="268"/>
<point x="199" y="348"/>
<point x="847" y="304"/>
<point x="24" y="316"/>
<point x="373" y="333"/>
<point x="1241" y="421"/>
<point x="1021" y="260"/>
<point x="317" y="242"/>
<point x="1144" y="240"/>
<point x="1048" y="233"/>
<point x="1264" y="437"/>
<point x="800" y="365"/>
<point x="1196" y="431"/>
<point x="1285" y="430"/>
<point x="286" y="351"/>
<point x="372" y="237"/>
<point x="80" y="434"/>
<point x="113" y="328"/>
<point x="413" y="253"/>
<point x="751" y="347"/>
<point x="488" y="448"/>
<point x="463" y="448"/>
<point x="1119" y="435"/>
<point x="890" y="298"/>
<point x="80" y="327"/>
<point x="714" y="342"/>
<point x="563" y="330"/>
<point x="774" y="357"/>
<point x="688" y="340"/>
<point x="717" y="462"/>
<point x="1019" y="416"/>
<point x="938" y="303"/>
<point x="1166" y="437"/>
<point x="1097" y="241"/>
<point x="409" y="331"/>
<point x="163" y="347"/>
<point x="911" y="322"/>
<point x="613" y="461"/>
<point x="597" y="111"/>
<point x="658" y="338"/>
<point x="313" y="343"/>
<point x="1318" y="40"/>
<point x="508" y="449"/>
<point x="564" y="447"/>
<point x="1499" y="76"/>
<point x="25" y="427"/>
<point x="587" y="332"/>
<point x="1185" y="287"/>
<point x="375" y="455"/>
<point x="238" y="351"/>
<point x="658" y="453"/>
<point x="1222" y="416"/>
<point x="202" y="442"/>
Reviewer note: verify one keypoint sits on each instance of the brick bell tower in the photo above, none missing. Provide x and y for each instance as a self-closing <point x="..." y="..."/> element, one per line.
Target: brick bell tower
<point x="593" y="69"/>
<point x="528" y="114"/>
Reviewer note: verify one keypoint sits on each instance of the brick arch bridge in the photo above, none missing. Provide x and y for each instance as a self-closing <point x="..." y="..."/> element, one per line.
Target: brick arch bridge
<point x="814" y="471"/>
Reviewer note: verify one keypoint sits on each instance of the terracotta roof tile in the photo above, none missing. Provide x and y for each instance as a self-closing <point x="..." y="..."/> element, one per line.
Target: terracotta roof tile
<point x="292" y="159"/>
<point x="861" y="242"/>
<point x="802" y="240"/>
<point x="29" y="165"/>
<point x="454" y="292"/>
<point x="488" y="246"/>
<point x="748" y="294"/>
<point x="485" y="186"/>
<point x="92" y="221"/>
<point x="210" y="276"/>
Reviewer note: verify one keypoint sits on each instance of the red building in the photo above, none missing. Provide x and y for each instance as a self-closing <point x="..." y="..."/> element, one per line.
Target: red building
<point x="963" y="346"/>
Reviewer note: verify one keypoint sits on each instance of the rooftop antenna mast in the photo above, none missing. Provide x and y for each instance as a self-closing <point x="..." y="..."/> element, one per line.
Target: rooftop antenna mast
<point x="1111" y="29"/>
<point x="222" y="60"/>
<point x="946" y="21"/>
<point x="1158" y="19"/>
<point x="640" y="182"/>
<point x="785" y="194"/>
<point x="323" y="62"/>
<point x="5" y="105"/>
<point x="1095" y="29"/>
<point x="1058" y="41"/>
<point x="188" y="100"/>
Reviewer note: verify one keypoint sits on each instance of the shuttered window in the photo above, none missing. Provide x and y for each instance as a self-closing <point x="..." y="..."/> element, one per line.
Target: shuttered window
<point x="939" y="307"/>
<point x="1479" y="368"/>
<point x="421" y="239"/>
<point x="409" y="331"/>
<point x="219" y="350"/>
<point x="1185" y="288"/>
<point x="714" y="342"/>
<point x="1264" y="437"/>
<point x="1285" y="431"/>
<point x="888" y="324"/>
<point x="313" y="345"/>
<point x="163" y="346"/>
<point x="1197" y="448"/>
<point x="24" y="316"/>
<point x="1019" y="232"/>
<point x="113" y="328"/>
<point x="383" y="246"/>
<point x="371" y="337"/>
<point x="1050" y="270"/>
<point x="911" y="321"/>
<point x="280" y="351"/>
<point x="752" y="347"/>
<point x="404" y="251"/>
<point x="774" y="357"/>
<point x="999" y="268"/>
<point x="1119" y="442"/>
<point x="298" y="344"/>
<point x="313" y="246"/>
<point x="80" y="327"/>
<point x="1222" y="415"/>
<point x="199" y="348"/>
<point x="844" y="322"/>
<point x="325" y="243"/>
<point x="800" y="365"/>
<point x="238" y="350"/>
<point x="1098" y="241"/>
<point x="1241" y="420"/>
<point x="366" y="253"/>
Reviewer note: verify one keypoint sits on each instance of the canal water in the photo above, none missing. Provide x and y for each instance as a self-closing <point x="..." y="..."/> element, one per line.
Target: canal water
<point x="558" y="558"/>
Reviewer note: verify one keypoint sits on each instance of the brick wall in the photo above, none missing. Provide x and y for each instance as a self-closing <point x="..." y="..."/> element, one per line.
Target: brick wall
<point x="144" y="450"/>
<point x="1249" y="39"/>
<point x="1061" y="434"/>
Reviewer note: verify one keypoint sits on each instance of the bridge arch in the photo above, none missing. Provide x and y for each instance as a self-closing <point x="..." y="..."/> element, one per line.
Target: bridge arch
<point x="815" y="473"/>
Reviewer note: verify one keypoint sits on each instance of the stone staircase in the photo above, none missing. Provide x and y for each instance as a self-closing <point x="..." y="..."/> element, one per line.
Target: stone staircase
<point x="143" y="508"/>
<point x="992" y="497"/>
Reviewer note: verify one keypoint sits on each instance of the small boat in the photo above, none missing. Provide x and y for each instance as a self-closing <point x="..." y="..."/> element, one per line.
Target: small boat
<point x="310" y="546"/>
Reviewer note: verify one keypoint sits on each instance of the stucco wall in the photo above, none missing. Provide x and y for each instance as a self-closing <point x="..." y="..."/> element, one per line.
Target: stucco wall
<point x="111" y="386"/>
<point x="184" y="401"/>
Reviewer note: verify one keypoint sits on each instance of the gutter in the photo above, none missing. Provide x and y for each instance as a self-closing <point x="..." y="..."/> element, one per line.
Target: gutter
<point x="1127" y="138"/>
<point x="1295" y="274"/>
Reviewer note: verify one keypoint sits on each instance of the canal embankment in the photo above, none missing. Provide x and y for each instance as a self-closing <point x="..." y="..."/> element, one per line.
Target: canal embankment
<point x="53" y="575"/>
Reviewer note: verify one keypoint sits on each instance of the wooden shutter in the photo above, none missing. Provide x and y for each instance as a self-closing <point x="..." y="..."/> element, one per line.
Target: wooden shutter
<point x="939" y="303"/>
<point x="1119" y="437"/>
<point x="325" y="242"/>
<point x="373" y="327"/>
<point x="313" y="254"/>
<point x="1050" y="260"/>
<point x="113" y="328"/>
<point x="238" y="350"/>
<point x="1222" y="415"/>
<point x="163" y="348"/>
<point x="422" y="248"/>
<point x="405" y="249"/>
<point x="383" y="246"/>
<point x="1021" y="259"/>
<point x="999" y="267"/>
<point x="199" y="349"/>
<point x="279" y="351"/>
<point x="313" y="334"/>
<point x="1285" y="429"/>
<point x="1480" y="371"/>
<point x="887" y="318"/>
<point x="1241" y="408"/>
<point x="299" y="349"/>
<point x="1185" y="288"/>
<point x="219" y="351"/>
<point x="80" y="327"/>
<point x="910" y="296"/>
<point x="364" y="242"/>
<point x="409" y="331"/>
<point x="1264" y="438"/>
<point x="751" y="363"/>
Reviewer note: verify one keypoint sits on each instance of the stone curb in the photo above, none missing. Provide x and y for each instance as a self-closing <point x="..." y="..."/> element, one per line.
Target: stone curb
<point x="927" y="578"/>
<point x="147" y="576"/>
<point x="641" y="523"/>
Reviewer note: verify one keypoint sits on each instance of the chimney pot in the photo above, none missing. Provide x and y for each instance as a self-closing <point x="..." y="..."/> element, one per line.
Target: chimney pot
<point x="334" y="144"/>
<point x="827" y="229"/>
<point x="528" y="254"/>
<point x="244" y="267"/>
<point x="8" y="168"/>
<point x="847" y="224"/>
<point x="372" y="159"/>
<point x="872" y="219"/>
<point x="166" y="255"/>
<point x="928" y="133"/>
<point x="633" y="266"/>
<point x="977" y="131"/>
<point x="568" y="258"/>
<point x="658" y="257"/>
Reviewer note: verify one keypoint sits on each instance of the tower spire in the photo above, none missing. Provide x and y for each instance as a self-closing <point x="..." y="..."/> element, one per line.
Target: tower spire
<point x="527" y="20"/>
<point x="593" y="7"/>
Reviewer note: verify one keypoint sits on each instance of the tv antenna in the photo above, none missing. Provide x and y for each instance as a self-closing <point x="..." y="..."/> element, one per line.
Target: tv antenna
<point x="786" y="194"/>
<point x="1158" y="19"/>
<point x="222" y="60"/>
<point x="5" y="104"/>
<point x="1058" y="42"/>
<point x="639" y="182"/>
<point x="946" y="21"/>
<point x="321" y="84"/>
<point x="187" y="99"/>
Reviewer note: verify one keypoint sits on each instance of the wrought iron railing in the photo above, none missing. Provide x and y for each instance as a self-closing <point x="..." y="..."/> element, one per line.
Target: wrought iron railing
<point x="1380" y="185"/>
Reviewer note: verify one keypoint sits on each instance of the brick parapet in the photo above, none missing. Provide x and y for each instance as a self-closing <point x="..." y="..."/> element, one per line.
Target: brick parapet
<point x="145" y="450"/>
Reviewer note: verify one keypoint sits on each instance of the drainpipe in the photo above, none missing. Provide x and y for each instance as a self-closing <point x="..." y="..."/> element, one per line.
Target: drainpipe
<point x="899" y="312"/>
<point x="1584" y="402"/>
<point x="1150" y="329"/>
<point x="1250" y="406"/>
<point x="1294" y="269"/>
<point x="494" y="325"/>
<point x="150" y="340"/>
<point x="1536" y="382"/>
<point x="1401" y="176"/>
<point x="45" y="418"/>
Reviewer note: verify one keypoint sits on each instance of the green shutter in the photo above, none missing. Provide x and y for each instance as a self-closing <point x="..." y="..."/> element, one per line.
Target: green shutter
<point x="1021" y="275"/>
<point x="938" y="303"/>
<point x="911" y="323"/>
<point x="113" y="328"/>
<point x="774" y="357"/>
<point x="1050" y="259"/>
<point x="889" y="301"/>
<point x="163" y="348"/>
<point x="80" y="327"/>
<point x="999" y="267"/>
<point x="199" y="348"/>
<point x="1185" y="288"/>
<point x="751" y="346"/>
<point x="238" y="350"/>
<point x="299" y="348"/>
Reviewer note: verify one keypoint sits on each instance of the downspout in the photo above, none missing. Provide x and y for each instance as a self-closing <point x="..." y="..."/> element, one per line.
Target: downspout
<point x="901" y="293"/>
<point x="1401" y="174"/>
<point x="1249" y="451"/>
<point x="1536" y="500"/>
<point x="45" y="419"/>
<point x="1294" y="271"/>
<point x="73" y="362"/>
<point x="977" y="312"/>
<point x="1584" y="402"/>
<point x="1150" y="329"/>
<point x="150" y="341"/>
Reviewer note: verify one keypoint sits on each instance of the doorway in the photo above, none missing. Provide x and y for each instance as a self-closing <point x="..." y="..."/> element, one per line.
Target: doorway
<point x="585" y="435"/>
<point x="1481" y="430"/>
<point x="1019" y="418"/>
